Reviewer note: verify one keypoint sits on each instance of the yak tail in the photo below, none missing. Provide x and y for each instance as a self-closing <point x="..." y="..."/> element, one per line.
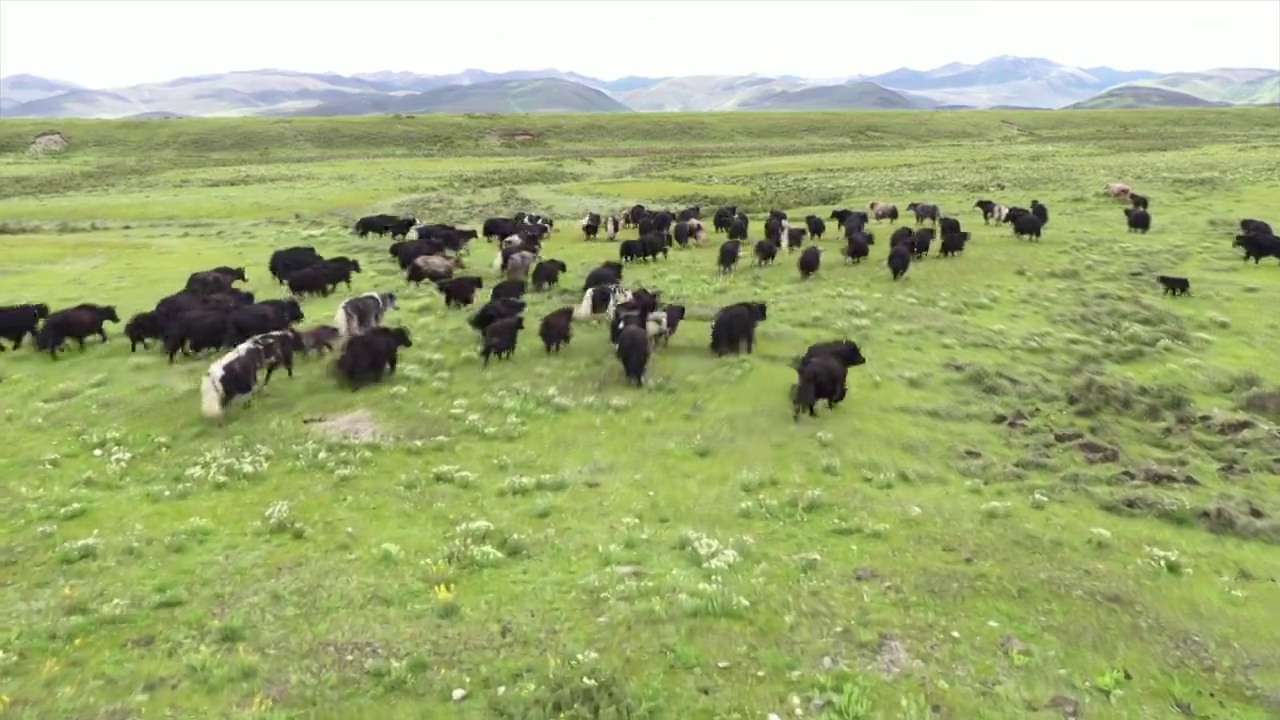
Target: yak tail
<point x="211" y="396"/>
<point x="583" y="311"/>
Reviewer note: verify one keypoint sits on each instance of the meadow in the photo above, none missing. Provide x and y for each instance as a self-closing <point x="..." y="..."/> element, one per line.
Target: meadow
<point x="1052" y="492"/>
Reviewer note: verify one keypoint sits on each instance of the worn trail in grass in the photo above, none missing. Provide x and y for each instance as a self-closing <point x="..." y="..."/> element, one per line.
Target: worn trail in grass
<point x="1051" y="487"/>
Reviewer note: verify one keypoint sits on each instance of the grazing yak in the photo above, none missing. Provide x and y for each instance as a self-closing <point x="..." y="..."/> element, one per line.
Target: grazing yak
<point x="925" y="211"/>
<point x="19" y="321"/>
<point x="362" y="313"/>
<point x="883" y="211"/>
<point x="735" y="325"/>
<point x="236" y="373"/>
<point x="556" y="328"/>
<point x="367" y="357"/>
<point x="1176" y="285"/>
<point x="991" y="211"/>
<point x="321" y="338"/>
<point x="809" y="262"/>
<point x="1137" y="219"/>
<point x="76" y="323"/>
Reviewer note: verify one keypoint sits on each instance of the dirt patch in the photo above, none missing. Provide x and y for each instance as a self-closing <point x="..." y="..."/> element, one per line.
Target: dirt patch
<point x="356" y="426"/>
<point x="1156" y="475"/>
<point x="49" y="141"/>
<point x="1263" y="402"/>
<point x="1096" y="452"/>
<point x="893" y="657"/>
<point x="521" y="136"/>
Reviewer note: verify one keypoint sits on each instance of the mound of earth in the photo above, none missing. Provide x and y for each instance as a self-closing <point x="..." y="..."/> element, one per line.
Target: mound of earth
<point x="47" y="142"/>
<point x="356" y="426"/>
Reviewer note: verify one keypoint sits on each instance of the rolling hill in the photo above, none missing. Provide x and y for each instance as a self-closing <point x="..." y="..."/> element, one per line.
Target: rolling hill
<point x="1142" y="96"/>
<point x="1005" y="81"/>
<point x="499" y="96"/>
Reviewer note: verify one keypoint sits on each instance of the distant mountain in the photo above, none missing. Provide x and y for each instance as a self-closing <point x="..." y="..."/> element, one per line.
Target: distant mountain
<point x="1140" y="96"/>
<point x="1007" y="80"/>
<point x="1004" y="81"/>
<point x="850" y="96"/>
<point x="500" y="96"/>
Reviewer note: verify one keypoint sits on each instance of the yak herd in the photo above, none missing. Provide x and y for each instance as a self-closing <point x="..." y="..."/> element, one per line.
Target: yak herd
<point x="211" y="314"/>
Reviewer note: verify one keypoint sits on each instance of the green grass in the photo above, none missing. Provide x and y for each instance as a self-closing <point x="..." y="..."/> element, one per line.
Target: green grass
<point x="551" y="540"/>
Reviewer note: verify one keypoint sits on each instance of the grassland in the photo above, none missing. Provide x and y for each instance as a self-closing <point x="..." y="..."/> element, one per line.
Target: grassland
<point x="1051" y="490"/>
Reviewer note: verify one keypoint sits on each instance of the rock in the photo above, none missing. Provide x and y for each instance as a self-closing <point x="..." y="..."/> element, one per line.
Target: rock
<point x="864" y="574"/>
<point x="459" y="695"/>
<point x="1155" y="475"/>
<point x="1096" y="452"/>
<point x="1012" y="645"/>
<point x="1070" y="708"/>
<point x="827" y="662"/>
<point x="972" y="454"/>
<point x="1067" y="436"/>
<point x="723" y="665"/>
<point x="1017" y="419"/>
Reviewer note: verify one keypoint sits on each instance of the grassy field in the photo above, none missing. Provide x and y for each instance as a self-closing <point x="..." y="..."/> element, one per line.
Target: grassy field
<point x="1052" y="493"/>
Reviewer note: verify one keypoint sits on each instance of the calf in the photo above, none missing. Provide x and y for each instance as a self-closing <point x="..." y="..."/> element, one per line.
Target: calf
<point x="321" y="338"/>
<point x="459" y="291"/>
<point x="75" y="323"/>
<point x="735" y="325"/>
<point x="1138" y="220"/>
<point x="19" y="321"/>
<point x="500" y="337"/>
<point x="546" y="274"/>
<point x="1176" y="285"/>
<point x="1139" y="201"/>
<point x="990" y="211"/>
<point x="556" y="328"/>
<point x="367" y="357"/>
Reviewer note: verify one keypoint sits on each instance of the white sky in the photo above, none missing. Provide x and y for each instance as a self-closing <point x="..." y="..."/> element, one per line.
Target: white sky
<point x="113" y="43"/>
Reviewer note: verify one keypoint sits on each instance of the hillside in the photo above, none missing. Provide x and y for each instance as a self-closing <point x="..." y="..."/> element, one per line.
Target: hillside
<point x="1138" y="96"/>
<point x="1005" y="81"/>
<point x="851" y="96"/>
<point x="501" y="96"/>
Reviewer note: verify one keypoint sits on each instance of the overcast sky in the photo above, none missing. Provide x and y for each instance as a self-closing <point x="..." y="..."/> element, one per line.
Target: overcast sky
<point x="112" y="43"/>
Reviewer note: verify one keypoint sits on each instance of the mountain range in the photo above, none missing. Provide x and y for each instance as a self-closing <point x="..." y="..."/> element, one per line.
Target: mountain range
<point x="1005" y="81"/>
